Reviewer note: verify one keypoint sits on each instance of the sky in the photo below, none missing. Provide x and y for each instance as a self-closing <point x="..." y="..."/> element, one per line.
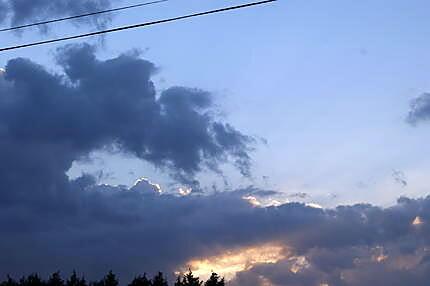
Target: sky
<point x="280" y="138"/>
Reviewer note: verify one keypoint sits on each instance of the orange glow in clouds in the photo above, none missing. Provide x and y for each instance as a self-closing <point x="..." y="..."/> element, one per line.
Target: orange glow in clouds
<point x="417" y="221"/>
<point x="230" y="262"/>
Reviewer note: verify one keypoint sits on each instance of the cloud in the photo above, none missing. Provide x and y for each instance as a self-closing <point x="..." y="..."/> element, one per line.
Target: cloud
<point x="382" y="247"/>
<point x="135" y="230"/>
<point x="24" y="11"/>
<point x="419" y="109"/>
<point x="49" y="120"/>
<point x="348" y="266"/>
<point x="49" y="222"/>
<point x="400" y="178"/>
<point x="3" y="10"/>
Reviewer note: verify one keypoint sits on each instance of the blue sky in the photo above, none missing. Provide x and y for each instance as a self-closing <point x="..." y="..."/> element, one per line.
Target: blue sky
<point x="326" y="83"/>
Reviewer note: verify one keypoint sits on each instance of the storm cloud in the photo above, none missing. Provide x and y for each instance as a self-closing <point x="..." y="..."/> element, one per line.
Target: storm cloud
<point x="49" y="222"/>
<point x="353" y="245"/>
<point x="24" y="11"/>
<point x="49" y="120"/>
<point x="138" y="229"/>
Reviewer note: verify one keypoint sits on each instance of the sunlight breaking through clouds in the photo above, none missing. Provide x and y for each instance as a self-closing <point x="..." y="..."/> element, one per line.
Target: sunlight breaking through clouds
<point x="264" y="281"/>
<point x="380" y="256"/>
<point x="265" y="202"/>
<point x="185" y="191"/>
<point x="314" y="205"/>
<point x="299" y="263"/>
<point x="145" y="185"/>
<point x="417" y="221"/>
<point x="230" y="262"/>
<point x="252" y="201"/>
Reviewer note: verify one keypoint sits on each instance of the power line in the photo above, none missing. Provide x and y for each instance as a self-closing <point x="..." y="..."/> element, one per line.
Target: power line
<point x="82" y="15"/>
<point x="141" y="25"/>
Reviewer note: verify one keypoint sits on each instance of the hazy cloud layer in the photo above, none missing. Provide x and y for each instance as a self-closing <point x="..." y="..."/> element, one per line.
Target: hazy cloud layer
<point x="25" y="11"/>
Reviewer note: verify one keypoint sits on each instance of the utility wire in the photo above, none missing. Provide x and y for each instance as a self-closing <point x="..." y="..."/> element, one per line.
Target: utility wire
<point x="82" y="15"/>
<point x="141" y="25"/>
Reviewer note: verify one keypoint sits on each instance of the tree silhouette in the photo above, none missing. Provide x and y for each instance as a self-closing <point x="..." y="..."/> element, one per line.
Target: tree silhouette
<point x="110" y="279"/>
<point x="9" y="282"/>
<point x="31" y="280"/>
<point x="74" y="280"/>
<point x="190" y="280"/>
<point x="159" y="280"/>
<point x="140" y="281"/>
<point x="55" y="280"/>
<point x="178" y="281"/>
<point x="215" y="280"/>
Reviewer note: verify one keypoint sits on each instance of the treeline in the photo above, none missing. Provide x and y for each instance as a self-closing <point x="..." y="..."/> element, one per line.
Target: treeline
<point x="110" y="279"/>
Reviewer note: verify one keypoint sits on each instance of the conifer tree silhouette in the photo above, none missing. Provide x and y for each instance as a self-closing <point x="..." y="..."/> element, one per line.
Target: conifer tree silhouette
<point x="9" y="282"/>
<point x="190" y="280"/>
<point x="110" y="279"/>
<point x="215" y="280"/>
<point x="159" y="280"/>
<point x="74" y="280"/>
<point x="55" y="280"/>
<point x="31" y="280"/>
<point x="178" y="281"/>
<point x="140" y="281"/>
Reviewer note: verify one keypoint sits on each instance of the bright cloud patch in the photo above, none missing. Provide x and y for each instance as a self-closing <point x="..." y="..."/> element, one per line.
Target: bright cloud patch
<point x="230" y="262"/>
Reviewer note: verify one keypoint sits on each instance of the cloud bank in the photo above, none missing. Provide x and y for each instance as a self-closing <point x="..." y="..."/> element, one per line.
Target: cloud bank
<point x="49" y="222"/>
<point x="134" y="230"/>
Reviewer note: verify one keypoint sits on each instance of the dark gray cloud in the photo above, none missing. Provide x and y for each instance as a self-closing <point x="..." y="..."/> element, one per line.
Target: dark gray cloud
<point x="419" y="109"/>
<point x="49" y="120"/>
<point x="24" y="11"/>
<point x="49" y="222"/>
<point x="352" y="246"/>
<point x="3" y="10"/>
<point x="134" y="230"/>
<point x="355" y="266"/>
